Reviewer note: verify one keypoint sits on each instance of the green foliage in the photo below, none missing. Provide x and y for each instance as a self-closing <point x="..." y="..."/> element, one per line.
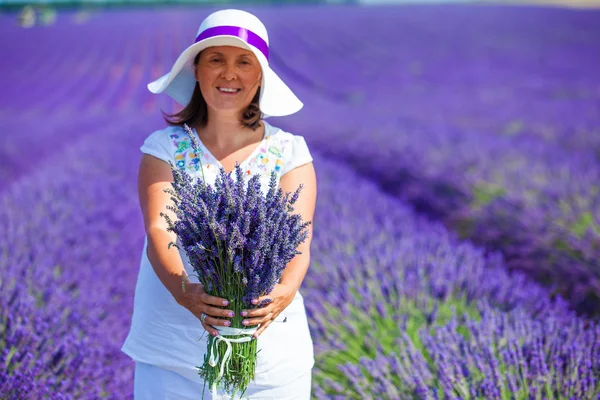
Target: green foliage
<point x="484" y="193"/>
<point x="586" y="221"/>
<point x="364" y="333"/>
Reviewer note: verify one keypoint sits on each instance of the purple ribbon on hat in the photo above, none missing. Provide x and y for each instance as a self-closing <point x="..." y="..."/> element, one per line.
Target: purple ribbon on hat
<point x="246" y="35"/>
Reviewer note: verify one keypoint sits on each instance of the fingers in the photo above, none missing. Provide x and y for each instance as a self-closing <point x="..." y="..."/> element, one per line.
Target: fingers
<point x="262" y="328"/>
<point x="259" y="321"/>
<point x="262" y="301"/>
<point x="215" y="301"/>
<point x="209" y="329"/>
<point x="217" y="312"/>
<point x="197" y="289"/>
<point x="212" y="314"/>
<point x="258" y="312"/>
<point x="198" y="302"/>
<point x="216" y="321"/>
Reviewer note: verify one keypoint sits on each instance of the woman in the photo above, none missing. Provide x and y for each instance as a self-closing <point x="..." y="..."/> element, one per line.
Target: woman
<point x="227" y="87"/>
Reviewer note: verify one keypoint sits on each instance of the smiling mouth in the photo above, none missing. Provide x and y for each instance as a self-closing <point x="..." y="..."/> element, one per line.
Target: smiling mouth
<point x="228" y="90"/>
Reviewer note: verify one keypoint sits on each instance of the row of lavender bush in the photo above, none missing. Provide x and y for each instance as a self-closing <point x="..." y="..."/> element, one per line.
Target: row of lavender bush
<point x="482" y="117"/>
<point x="424" y="316"/>
<point x="70" y="248"/>
<point x="73" y="74"/>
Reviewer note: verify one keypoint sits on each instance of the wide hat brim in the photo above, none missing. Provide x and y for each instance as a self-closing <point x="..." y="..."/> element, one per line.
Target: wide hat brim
<point x="276" y="98"/>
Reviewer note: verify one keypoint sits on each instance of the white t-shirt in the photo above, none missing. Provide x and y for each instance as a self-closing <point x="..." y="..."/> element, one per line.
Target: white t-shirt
<point x="165" y="334"/>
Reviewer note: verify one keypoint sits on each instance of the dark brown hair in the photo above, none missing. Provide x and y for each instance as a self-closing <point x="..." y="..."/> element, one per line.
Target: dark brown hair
<point x="196" y="112"/>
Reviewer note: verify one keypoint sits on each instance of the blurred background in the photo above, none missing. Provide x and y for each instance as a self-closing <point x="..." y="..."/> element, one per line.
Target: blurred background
<point x="457" y="145"/>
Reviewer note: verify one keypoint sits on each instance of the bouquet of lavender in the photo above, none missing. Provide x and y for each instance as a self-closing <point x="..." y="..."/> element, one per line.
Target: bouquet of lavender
<point x="238" y="241"/>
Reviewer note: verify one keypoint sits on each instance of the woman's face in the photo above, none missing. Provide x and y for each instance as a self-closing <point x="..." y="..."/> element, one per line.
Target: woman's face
<point x="228" y="76"/>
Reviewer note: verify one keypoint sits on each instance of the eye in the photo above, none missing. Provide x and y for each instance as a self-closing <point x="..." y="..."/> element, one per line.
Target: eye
<point x="215" y="60"/>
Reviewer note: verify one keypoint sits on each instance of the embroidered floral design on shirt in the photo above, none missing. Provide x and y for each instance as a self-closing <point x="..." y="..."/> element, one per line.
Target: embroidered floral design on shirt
<point x="185" y="157"/>
<point x="269" y="158"/>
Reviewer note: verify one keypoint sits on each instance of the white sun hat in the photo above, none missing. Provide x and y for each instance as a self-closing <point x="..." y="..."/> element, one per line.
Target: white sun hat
<point x="230" y="28"/>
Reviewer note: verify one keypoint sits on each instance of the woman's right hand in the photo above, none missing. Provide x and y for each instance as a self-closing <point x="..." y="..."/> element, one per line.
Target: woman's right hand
<point x="197" y="301"/>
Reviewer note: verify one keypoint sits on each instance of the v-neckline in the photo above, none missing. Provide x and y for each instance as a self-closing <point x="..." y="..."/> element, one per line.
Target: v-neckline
<point x="249" y="157"/>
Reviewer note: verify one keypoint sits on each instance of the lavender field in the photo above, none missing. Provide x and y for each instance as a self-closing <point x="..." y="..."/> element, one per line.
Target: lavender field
<point x="457" y="234"/>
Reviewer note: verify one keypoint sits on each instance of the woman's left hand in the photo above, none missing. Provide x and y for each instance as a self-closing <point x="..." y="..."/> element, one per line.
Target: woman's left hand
<point x="281" y="296"/>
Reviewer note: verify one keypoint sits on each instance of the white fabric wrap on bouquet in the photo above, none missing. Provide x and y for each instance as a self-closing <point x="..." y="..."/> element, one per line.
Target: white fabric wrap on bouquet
<point x="225" y="331"/>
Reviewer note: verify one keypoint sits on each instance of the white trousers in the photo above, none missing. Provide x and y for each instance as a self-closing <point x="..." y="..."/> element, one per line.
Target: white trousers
<point x="155" y="383"/>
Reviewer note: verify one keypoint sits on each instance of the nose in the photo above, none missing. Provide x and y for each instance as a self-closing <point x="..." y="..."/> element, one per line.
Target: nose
<point x="229" y="72"/>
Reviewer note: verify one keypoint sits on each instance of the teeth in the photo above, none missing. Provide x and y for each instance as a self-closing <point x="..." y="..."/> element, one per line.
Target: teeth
<point x="229" y="90"/>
